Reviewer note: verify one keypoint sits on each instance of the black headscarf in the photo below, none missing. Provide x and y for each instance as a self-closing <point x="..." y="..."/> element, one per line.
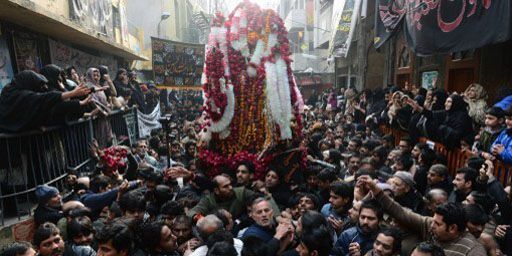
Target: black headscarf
<point x="458" y="104"/>
<point x="103" y="71"/>
<point x="25" y="104"/>
<point x="54" y="74"/>
<point x="441" y="98"/>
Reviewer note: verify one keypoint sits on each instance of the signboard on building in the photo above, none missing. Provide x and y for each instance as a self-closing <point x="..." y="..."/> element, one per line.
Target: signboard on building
<point x="177" y="64"/>
<point x="6" y="72"/>
<point x="65" y="56"/>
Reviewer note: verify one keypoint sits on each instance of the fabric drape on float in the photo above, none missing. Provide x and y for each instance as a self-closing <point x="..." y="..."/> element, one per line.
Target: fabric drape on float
<point x="444" y="26"/>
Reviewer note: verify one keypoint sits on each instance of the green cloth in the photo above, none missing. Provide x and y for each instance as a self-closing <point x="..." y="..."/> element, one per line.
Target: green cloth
<point x="236" y="205"/>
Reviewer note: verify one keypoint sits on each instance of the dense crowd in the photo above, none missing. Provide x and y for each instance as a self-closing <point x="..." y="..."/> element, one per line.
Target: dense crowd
<point x="363" y="194"/>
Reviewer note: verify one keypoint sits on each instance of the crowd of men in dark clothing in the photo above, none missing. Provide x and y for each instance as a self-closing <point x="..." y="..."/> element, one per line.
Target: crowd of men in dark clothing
<point x="363" y="194"/>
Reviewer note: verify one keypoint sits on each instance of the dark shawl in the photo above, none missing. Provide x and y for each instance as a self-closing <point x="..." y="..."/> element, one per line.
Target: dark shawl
<point x="54" y="74"/>
<point x="24" y="104"/>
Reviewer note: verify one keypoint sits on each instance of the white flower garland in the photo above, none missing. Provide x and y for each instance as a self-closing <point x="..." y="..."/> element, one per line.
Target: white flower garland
<point x="256" y="58"/>
<point x="278" y="96"/>
<point x="284" y="98"/>
<point x="229" y="111"/>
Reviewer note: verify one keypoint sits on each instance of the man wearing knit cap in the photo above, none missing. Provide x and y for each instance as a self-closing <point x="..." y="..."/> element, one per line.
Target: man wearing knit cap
<point x="49" y="207"/>
<point x="404" y="190"/>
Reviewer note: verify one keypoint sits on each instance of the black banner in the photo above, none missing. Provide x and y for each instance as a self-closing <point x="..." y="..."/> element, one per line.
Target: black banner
<point x="388" y="18"/>
<point x="444" y="26"/>
<point x="177" y="64"/>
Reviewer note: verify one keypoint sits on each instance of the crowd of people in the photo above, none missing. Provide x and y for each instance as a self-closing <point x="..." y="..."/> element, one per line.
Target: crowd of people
<point x="363" y="194"/>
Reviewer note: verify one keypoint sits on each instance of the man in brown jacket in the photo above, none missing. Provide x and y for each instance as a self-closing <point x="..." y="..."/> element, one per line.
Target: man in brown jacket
<point x="447" y="228"/>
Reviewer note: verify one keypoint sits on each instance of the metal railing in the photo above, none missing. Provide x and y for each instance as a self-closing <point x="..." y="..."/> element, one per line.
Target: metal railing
<point x="46" y="156"/>
<point x="455" y="158"/>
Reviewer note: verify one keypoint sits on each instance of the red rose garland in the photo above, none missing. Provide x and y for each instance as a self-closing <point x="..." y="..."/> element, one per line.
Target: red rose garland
<point x="250" y="132"/>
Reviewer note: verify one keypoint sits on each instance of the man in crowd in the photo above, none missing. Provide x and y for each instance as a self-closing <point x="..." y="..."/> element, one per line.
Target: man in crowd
<point x="438" y="177"/>
<point x="48" y="241"/>
<point x="404" y="191"/>
<point x="361" y="237"/>
<point x="115" y="239"/>
<point x="340" y="201"/>
<point x="224" y="196"/>
<point x="463" y="184"/>
<point x="245" y="175"/>
<point x="50" y="207"/>
<point x="387" y="243"/>
<point x="447" y="226"/>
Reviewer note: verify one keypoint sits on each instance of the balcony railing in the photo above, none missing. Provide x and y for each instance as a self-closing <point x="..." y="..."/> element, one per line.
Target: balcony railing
<point x="46" y="156"/>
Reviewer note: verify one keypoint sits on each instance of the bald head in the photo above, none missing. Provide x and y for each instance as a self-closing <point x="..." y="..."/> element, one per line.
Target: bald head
<point x="223" y="188"/>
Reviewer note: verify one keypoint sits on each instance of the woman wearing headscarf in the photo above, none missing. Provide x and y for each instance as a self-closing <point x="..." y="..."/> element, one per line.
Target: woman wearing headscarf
<point x="26" y="103"/>
<point x="55" y="76"/>
<point x="103" y="131"/>
<point x="106" y="81"/>
<point x="121" y="83"/>
<point x="476" y="96"/>
<point x="450" y="125"/>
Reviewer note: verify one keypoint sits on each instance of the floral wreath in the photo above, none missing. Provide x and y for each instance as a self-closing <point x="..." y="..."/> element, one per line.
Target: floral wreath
<point x="250" y="94"/>
<point x="114" y="158"/>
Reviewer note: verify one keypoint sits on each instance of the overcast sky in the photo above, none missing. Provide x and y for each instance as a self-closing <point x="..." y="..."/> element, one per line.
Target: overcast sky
<point x="265" y="4"/>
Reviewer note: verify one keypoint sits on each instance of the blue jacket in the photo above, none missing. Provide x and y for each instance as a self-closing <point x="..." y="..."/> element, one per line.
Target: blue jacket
<point x="97" y="201"/>
<point x="353" y="235"/>
<point x="264" y="234"/>
<point x="505" y="103"/>
<point x="505" y="139"/>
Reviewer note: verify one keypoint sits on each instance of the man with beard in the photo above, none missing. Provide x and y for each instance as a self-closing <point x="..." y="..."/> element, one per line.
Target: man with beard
<point x="361" y="237"/>
<point x="142" y="156"/>
<point x="463" y="184"/>
<point x="447" y="228"/>
<point x="387" y="243"/>
<point x="245" y="174"/>
<point x="226" y="197"/>
<point x="48" y="241"/>
<point x="50" y="207"/>
<point x="404" y="191"/>
<point x="157" y="240"/>
<point x="354" y="163"/>
<point x="182" y="229"/>
<point x="438" y="178"/>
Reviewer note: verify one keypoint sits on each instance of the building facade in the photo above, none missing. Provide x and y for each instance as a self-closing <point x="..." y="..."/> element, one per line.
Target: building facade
<point x="64" y="32"/>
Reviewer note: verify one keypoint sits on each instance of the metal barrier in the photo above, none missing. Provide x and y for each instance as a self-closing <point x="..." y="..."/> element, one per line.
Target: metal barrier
<point x="46" y="156"/>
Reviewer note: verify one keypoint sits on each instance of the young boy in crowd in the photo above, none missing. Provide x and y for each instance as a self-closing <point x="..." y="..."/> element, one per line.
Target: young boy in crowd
<point x="502" y="146"/>
<point x="494" y="119"/>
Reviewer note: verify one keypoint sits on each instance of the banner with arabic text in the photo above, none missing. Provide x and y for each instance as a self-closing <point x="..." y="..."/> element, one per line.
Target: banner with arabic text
<point x="177" y="64"/>
<point x="65" y="56"/>
<point x="388" y="18"/>
<point x="344" y="28"/>
<point x="450" y="26"/>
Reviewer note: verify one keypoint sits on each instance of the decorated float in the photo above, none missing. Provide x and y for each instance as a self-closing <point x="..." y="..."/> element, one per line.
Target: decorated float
<point x="252" y="105"/>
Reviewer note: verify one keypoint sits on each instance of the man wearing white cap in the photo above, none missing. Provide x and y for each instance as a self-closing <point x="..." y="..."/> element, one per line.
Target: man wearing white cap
<point x="404" y="190"/>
